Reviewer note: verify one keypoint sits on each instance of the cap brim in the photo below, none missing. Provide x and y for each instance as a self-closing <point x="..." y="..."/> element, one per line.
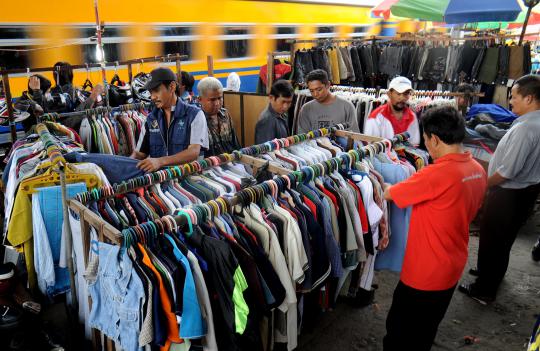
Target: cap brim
<point x="151" y="84"/>
<point x="401" y="89"/>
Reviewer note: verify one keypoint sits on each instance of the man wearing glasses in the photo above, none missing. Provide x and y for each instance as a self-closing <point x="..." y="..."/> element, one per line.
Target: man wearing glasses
<point x="394" y="117"/>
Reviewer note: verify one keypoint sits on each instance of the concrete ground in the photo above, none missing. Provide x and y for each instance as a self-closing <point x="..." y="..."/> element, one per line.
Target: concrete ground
<point x="503" y="325"/>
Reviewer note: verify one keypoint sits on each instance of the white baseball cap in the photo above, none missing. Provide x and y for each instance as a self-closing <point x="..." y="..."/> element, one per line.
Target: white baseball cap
<point x="400" y="84"/>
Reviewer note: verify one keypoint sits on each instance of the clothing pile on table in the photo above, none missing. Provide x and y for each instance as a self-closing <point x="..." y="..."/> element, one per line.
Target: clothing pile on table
<point x="259" y="273"/>
<point x="429" y="67"/>
<point x="486" y="125"/>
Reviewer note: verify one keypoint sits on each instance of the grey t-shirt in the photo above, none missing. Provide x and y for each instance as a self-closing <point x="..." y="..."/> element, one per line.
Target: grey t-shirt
<point x="517" y="157"/>
<point x="315" y="115"/>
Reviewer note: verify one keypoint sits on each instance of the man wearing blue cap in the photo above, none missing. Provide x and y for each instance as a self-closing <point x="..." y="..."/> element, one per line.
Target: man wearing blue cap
<point x="174" y="132"/>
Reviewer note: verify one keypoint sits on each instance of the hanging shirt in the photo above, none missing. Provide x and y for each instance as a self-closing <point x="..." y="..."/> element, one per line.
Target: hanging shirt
<point x="392" y="257"/>
<point x="445" y="197"/>
<point x="382" y="123"/>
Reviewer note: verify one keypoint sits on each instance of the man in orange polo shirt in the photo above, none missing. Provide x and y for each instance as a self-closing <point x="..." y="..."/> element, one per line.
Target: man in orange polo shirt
<point x="445" y="197"/>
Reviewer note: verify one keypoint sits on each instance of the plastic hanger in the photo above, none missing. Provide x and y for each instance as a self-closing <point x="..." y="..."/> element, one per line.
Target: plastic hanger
<point x="188" y="218"/>
<point x="87" y="83"/>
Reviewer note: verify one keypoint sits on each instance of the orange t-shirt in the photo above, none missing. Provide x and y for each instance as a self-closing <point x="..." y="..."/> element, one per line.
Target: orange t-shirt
<point x="173" y="332"/>
<point x="445" y="197"/>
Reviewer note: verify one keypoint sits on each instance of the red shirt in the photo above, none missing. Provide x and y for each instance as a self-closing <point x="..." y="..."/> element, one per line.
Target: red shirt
<point x="445" y="197"/>
<point x="399" y="125"/>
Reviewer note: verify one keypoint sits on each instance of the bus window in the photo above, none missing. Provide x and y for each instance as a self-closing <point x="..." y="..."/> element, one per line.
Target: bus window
<point x="109" y="32"/>
<point x="284" y="33"/>
<point x="14" y="59"/>
<point x="111" y="52"/>
<point x="111" y="39"/>
<point x="15" y="38"/>
<point x="359" y="31"/>
<point x="236" y="42"/>
<point x="13" y="33"/>
<point x="325" y="32"/>
<point x="176" y="40"/>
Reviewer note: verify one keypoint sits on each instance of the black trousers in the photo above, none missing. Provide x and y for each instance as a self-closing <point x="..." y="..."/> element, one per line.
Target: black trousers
<point x="414" y="318"/>
<point x="505" y="212"/>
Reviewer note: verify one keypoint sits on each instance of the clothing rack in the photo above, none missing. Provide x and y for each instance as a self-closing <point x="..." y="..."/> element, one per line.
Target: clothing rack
<point x="5" y="73"/>
<point x="108" y="233"/>
<point x="247" y="195"/>
<point x="163" y="58"/>
<point x="59" y="166"/>
<point x="244" y="155"/>
<point x="413" y="37"/>
<point x="379" y="92"/>
<point x="96" y="110"/>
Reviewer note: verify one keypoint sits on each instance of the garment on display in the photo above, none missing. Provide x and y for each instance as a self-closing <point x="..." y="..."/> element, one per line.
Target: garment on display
<point x="366" y="100"/>
<point x="30" y="181"/>
<point x="271" y="261"/>
<point x="110" y="131"/>
<point x="282" y="253"/>
<point x="426" y="65"/>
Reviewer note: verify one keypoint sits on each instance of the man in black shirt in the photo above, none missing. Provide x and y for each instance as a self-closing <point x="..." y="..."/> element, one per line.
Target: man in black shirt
<point x="273" y="121"/>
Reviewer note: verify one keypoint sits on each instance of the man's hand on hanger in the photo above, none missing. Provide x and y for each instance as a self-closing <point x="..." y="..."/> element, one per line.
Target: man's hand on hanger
<point x="150" y="164"/>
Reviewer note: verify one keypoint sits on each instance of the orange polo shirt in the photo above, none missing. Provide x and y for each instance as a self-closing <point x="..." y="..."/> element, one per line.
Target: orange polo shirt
<point x="173" y="332"/>
<point x="445" y="197"/>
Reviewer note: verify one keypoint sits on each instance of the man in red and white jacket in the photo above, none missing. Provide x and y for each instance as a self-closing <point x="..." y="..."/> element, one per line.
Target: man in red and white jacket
<point x="395" y="116"/>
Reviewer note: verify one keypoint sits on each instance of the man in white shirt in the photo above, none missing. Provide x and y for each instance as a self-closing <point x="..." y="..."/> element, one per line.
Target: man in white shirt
<point x="394" y="117"/>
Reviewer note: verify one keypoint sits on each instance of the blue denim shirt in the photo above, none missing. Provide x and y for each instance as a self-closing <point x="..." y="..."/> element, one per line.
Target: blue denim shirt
<point x="117" y="296"/>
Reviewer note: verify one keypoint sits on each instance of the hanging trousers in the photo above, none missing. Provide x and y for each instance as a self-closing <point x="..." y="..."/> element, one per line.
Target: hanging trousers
<point x="505" y="212"/>
<point x="414" y="318"/>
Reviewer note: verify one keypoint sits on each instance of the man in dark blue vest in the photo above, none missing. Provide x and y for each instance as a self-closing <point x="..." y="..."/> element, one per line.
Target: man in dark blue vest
<point x="174" y="132"/>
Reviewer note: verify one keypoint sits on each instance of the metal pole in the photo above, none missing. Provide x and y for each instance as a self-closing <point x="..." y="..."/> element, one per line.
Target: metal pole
<point x="69" y="238"/>
<point x="7" y="91"/>
<point x="524" y="29"/>
<point x="100" y="45"/>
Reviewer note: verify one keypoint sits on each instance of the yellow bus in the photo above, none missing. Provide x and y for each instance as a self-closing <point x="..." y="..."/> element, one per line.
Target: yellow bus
<point x="237" y="33"/>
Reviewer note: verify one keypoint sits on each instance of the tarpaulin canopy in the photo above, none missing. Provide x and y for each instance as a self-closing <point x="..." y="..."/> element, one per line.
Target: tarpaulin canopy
<point x="383" y="9"/>
<point x="427" y="10"/>
<point x="458" y="11"/>
<point x="465" y="11"/>
<point x="533" y="19"/>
